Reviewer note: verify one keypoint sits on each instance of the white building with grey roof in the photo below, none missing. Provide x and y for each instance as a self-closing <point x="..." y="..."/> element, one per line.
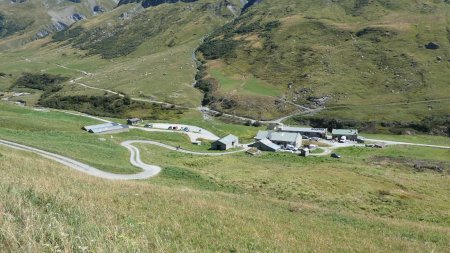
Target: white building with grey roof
<point x="349" y="134"/>
<point x="225" y="143"/>
<point x="280" y="138"/>
<point x="266" y="145"/>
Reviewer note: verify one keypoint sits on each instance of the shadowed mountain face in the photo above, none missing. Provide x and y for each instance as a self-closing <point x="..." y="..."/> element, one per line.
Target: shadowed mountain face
<point x="149" y="3"/>
<point x="250" y="3"/>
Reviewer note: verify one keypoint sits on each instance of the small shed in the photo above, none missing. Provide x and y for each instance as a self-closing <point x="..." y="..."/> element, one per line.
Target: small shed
<point x="304" y="152"/>
<point x="134" y="121"/>
<point x="266" y="145"/>
<point x="227" y="142"/>
<point x="349" y="134"/>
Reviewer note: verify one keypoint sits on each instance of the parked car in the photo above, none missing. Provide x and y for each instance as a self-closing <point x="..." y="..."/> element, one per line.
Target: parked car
<point x="170" y="128"/>
<point x="148" y="125"/>
<point x="186" y="129"/>
<point x="312" y="146"/>
<point x="292" y="148"/>
<point x="334" y="155"/>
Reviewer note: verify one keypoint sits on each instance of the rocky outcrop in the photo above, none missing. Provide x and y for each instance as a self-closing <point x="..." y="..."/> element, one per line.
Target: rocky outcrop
<point x="49" y="29"/>
<point x="432" y="46"/>
<point x="77" y="17"/>
<point x="98" y="9"/>
<point x="249" y="4"/>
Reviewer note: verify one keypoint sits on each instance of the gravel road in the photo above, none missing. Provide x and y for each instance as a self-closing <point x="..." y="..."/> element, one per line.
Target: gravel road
<point x="135" y="159"/>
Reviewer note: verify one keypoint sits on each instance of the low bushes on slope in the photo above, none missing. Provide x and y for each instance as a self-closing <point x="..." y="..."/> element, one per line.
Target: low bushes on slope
<point x="110" y="106"/>
<point x="39" y="81"/>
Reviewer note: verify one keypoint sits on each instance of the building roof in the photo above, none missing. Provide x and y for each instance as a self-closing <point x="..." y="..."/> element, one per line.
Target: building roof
<point x="106" y="127"/>
<point x="303" y="129"/>
<point x="278" y="136"/>
<point x="229" y="139"/>
<point x="87" y="128"/>
<point x="134" y="119"/>
<point x="269" y="144"/>
<point x="345" y="132"/>
<point x="284" y="136"/>
<point x="262" y="135"/>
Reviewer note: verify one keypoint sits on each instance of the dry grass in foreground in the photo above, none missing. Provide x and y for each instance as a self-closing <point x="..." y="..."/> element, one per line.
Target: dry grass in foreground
<point x="45" y="207"/>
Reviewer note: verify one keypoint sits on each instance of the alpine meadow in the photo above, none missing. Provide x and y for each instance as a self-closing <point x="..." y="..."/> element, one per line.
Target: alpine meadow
<point x="225" y="126"/>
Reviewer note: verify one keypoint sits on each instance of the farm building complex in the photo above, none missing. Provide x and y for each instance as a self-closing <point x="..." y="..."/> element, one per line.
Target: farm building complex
<point x="107" y="128"/>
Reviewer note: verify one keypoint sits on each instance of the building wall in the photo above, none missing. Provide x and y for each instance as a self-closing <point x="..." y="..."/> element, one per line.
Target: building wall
<point x="349" y="137"/>
<point x="123" y="130"/>
<point x="219" y="146"/>
<point x="313" y="134"/>
<point x="283" y="143"/>
<point x="262" y="147"/>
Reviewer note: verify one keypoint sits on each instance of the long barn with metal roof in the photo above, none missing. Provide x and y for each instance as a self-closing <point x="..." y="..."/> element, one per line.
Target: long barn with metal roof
<point x="310" y="132"/>
<point x="107" y="128"/>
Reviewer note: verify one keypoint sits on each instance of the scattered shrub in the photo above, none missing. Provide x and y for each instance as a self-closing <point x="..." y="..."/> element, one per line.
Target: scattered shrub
<point x="44" y="82"/>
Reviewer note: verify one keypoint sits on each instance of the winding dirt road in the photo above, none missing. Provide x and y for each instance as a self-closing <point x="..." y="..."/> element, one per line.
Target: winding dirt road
<point x="135" y="159"/>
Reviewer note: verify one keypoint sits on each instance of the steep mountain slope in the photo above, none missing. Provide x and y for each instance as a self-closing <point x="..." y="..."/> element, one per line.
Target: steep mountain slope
<point x="146" y="53"/>
<point x="367" y="61"/>
<point x="353" y="52"/>
<point x="36" y="19"/>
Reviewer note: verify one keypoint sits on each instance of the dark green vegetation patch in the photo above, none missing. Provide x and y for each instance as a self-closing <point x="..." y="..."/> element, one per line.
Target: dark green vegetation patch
<point x="110" y="106"/>
<point x="9" y="26"/>
<point x="41" y="82"/>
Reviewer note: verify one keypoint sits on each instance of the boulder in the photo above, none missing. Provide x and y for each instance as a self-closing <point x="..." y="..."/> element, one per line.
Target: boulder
<point x="432" y="45"/>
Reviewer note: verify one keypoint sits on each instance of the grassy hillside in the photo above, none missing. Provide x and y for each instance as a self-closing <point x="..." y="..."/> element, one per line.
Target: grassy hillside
<point x="364" y="60"/>
<point x="47" y="207"/>
<point x="148" y="54"/>
<point x="332" y="53"/>
<point x="61" y="133"/>
<point x="44" y="19"/>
